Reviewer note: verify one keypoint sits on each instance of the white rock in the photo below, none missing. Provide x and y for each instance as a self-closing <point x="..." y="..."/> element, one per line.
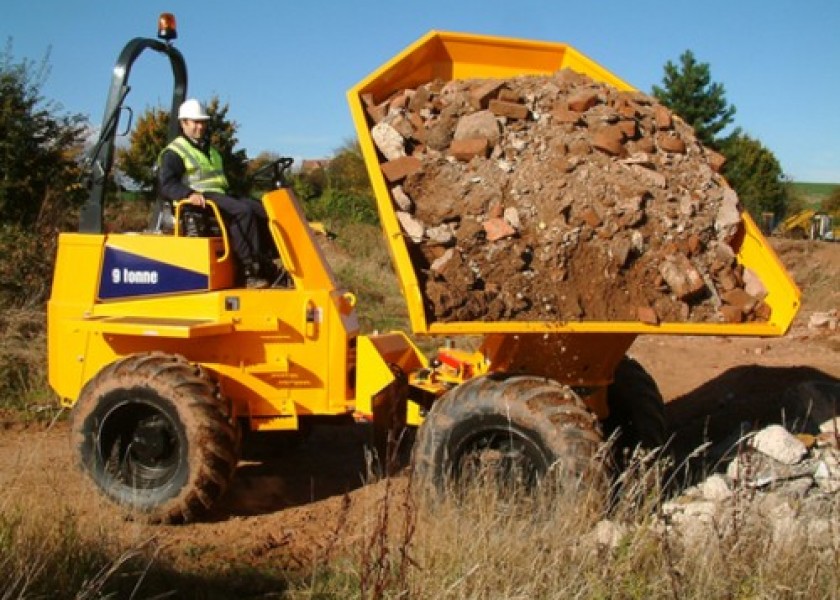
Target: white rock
<point x="438" y="264"/>
<point x="702" y="511"/>
<point x="401" y="199"/>
<point x="779" y="444"/>
<point x="830" y="426"/>
<point x="715" y="488"/>
<point x="822" y="320"/>
<point x="412" y="226"/>
<point x="827" y="477"/>
<point x="608" y="534"/>
<point x="511" y="215"/>
<point x="728" y="218"/>
<point x="442" y="234"/>
<point x="753" y="285"/>
<point x="389" y="141"/>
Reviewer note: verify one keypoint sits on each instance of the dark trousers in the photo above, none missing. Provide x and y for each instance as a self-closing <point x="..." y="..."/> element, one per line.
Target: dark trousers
<point x="247" y="225"/>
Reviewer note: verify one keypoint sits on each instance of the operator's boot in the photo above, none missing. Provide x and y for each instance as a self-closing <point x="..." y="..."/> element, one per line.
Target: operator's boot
<point x="254" y="279"/>
<point x="274" y="271"/>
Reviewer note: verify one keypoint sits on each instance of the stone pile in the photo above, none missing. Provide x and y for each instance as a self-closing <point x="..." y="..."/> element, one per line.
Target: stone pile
<point x="559" y="198"/>
<point x="783" y="485"/>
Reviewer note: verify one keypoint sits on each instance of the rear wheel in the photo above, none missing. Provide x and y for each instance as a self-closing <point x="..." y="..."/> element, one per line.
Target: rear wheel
<point x="637" y="411"/>
<point x="153" y="435"/>
<point x="515" y="431"/>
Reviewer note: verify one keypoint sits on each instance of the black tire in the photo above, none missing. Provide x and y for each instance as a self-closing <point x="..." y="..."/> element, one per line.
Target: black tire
<point x="527" y="427"/>
<point x="153" y="434"/>
<point x="637" y="411"/>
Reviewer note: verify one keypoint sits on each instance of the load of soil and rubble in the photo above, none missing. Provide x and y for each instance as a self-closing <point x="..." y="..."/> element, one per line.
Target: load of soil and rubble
<point x="557" y="198"/>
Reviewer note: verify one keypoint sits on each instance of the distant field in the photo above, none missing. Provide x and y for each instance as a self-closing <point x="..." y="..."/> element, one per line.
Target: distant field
<point x="815" y="192"/>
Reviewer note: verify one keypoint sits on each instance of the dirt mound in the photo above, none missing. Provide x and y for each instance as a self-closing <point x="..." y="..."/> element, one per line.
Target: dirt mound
<point x="558" y="198"/>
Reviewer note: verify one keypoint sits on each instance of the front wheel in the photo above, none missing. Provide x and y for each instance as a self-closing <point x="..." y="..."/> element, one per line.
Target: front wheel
<point x="514" y="430"/>
<point x="153" y="435"/>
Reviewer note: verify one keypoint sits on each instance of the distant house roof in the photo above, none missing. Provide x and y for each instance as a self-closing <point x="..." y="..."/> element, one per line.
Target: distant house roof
<point x="313" y="164"/>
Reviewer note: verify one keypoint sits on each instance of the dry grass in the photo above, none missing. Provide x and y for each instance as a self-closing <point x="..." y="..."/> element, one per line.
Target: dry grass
<point x="487" y="546"/>
<point x="484" y="545"/>
<point x="23" y="364"/>
<point x="361" y="262"/>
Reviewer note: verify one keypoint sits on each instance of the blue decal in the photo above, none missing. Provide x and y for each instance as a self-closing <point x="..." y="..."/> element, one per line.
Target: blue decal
<point x="125" y="274"/>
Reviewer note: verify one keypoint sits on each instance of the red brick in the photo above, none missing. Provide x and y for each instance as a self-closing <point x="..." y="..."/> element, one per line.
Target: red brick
<point x="762" y="311"/>
<point x="468" y="149"/>
<point x="662" y="117"/>
<point x="670" y="143"/>
<point x="582" y="101"/>
<point x="629" y="128"/>
<point x="512" y="110"/>
<point x="645" y="144"/>
<point x="377" y="113"/>
<point x="731" y="314"/>
<point x="740" y="299"/>
<point x="399" y="100"/>
<point x="609" y="139"/>
<point x="628" y="110"/>
<point x="400" y="168"/>
<point x="590" y="217"/>
<point x="480" y="96"/>
<point x="564" y="115"/>
<point x="647" y="314"/>
<point x="716" y="160"/>
<point x="695" y="244"/>
<point x="497" y="229"/>
<point x="418" y="125"/>
<point x="509" y="95"/>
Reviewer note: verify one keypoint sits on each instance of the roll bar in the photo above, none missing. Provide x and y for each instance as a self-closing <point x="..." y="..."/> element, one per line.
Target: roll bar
<point x="102" y="156"/>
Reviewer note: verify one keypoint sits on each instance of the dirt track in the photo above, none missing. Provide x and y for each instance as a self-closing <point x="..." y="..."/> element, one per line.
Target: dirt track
<point x="284" y="507"/>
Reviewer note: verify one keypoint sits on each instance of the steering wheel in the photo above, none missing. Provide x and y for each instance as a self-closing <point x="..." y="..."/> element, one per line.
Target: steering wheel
<point x="275" y="171"/>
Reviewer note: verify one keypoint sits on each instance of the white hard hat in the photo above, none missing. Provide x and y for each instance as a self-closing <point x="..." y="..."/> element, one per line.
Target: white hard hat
<point x="194" y="110"/>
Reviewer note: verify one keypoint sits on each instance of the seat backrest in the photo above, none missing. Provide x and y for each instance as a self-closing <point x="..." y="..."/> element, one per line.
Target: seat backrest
<point x="195" y="220"/>
<point x="162" y="219"/>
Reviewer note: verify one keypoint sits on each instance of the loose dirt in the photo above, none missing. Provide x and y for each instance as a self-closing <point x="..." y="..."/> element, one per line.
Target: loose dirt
<point x="289" y="505"/>
<point x="559" y="198"/>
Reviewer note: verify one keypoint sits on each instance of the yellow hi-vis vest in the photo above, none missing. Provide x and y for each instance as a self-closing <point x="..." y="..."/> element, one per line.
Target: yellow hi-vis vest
<point x="203" y="172"/>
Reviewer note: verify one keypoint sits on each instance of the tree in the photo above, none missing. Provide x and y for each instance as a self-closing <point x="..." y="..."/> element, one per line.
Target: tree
<point x="755" y="173"/>
<point x="831" y="204"/>
<point x="346" y="171"/>
<point x="39" y="148"/>
<point x="688" y="91"/>
<point x="149" y="138"/>
<point x="40" y="173"/>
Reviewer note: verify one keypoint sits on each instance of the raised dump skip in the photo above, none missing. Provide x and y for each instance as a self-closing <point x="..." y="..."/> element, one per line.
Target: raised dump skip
<point x="628" y="197"/>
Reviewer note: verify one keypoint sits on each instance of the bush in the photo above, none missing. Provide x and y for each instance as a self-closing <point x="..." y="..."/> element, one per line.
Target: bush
<point x="339" y="206"/>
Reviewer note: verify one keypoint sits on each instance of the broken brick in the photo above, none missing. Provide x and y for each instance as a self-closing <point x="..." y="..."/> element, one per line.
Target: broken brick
<point x="512" y="110"/>
<point x="466" y="150"/>
<point x="497" y="229"/>
<point x="397" y="170"/>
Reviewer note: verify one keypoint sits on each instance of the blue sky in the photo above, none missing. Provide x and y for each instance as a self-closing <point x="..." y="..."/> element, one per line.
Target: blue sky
<point x="284" y="67"/>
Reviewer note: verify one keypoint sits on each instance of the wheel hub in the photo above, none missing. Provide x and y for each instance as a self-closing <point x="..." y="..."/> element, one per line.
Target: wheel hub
<point x="151" y="440"/>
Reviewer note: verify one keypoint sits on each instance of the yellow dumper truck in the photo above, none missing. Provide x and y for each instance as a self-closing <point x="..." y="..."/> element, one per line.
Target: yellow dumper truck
<point x="165" y="363"/>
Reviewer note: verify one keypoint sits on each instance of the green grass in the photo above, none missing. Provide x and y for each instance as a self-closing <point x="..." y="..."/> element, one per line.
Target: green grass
<point x="814" y="193"/>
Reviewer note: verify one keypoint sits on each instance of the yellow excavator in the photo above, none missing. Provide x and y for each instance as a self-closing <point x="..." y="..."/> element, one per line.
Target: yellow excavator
<point x="165" y="362"/>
